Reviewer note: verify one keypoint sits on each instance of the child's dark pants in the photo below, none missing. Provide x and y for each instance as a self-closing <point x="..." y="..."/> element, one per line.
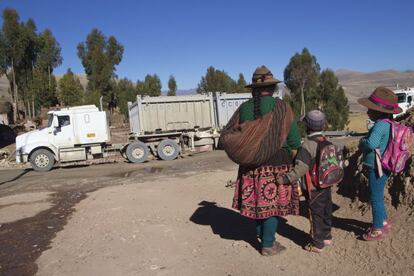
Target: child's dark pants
<point x="320" y="209"/>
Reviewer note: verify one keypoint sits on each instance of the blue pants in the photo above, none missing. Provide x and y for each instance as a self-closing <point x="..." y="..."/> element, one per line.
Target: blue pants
<point x="266" y="230"/>
<point x="376" y="195"/>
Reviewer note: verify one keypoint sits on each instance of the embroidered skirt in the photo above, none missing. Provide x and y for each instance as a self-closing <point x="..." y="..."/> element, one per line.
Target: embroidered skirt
<point x="258" y="196"/>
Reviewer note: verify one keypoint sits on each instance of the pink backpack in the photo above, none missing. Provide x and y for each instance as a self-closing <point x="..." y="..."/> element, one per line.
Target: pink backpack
<point x="397" y="151"/>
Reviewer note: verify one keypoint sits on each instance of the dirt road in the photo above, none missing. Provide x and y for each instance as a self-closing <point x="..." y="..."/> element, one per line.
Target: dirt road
<point x="171" y="218"/>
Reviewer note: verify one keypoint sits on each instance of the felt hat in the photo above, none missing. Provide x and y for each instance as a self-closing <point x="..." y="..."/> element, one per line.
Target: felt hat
<point x="383" y="100"/>
<point x="262" y="77"/>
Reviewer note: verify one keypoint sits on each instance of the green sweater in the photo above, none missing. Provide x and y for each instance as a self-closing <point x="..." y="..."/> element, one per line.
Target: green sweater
<point x="267" y="103"/>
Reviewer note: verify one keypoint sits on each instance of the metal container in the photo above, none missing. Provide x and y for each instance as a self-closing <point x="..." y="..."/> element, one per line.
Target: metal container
<point x="226" y="104"/>
<point x="171" y="114"/>
<point x="164" y="114"/>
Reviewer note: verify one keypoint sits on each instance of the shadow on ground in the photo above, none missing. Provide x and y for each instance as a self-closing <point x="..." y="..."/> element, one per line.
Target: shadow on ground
<point x="346" y="224"/>
<point x="230" y="225"/>
<point x="16" y="177"/>
<point x="23" y="241"/>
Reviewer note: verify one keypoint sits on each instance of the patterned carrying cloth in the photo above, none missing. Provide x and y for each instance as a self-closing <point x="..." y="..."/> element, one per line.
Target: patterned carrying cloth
<point x="253" y="143"/>
<point x="258" y="196"/>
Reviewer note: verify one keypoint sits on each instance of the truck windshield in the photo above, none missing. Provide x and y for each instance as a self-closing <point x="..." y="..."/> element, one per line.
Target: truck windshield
<point x="401" y="97"/>
<point x="49" y="120"/>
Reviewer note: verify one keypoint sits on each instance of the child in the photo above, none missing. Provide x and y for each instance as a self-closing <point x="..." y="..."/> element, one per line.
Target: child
<point x="319" y="200"/>
<point x="381" y="105"/>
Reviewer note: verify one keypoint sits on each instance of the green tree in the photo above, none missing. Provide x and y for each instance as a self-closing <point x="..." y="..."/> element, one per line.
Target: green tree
<point x="70" y="90"/>
<point x="13" y="51"/>
<point x="172" y="86"/>
<point x="92" y="97"/>
<point x="24" y="70"/>
<point x="216" y="81"/>
<point x="152" y="85"/>
<point x="24" y="59"/>
<point x="49" y="56"/>
<point x="241" y="84"/>
<point x="312" y="89"/>
<point x="43" y="88"/>
<point x="332" y="100"/>
<point x="301" y="76"/>
<point x="140" y="87"/>
<point x="44" y="85"/>
<point x="126" y="92"/>
<point x="99" y="56"/>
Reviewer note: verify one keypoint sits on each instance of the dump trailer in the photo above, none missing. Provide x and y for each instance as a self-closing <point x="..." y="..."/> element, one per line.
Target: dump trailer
<point x="168" y="126"/>
<point x="164" y="127"/>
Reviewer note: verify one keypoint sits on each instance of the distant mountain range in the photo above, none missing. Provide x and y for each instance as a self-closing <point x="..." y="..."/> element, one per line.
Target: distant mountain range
<point x="185" y="92"/>
<point x="356" y="84"/>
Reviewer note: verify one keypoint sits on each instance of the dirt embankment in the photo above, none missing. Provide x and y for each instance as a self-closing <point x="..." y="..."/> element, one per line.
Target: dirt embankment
<point x="400" y="187"/>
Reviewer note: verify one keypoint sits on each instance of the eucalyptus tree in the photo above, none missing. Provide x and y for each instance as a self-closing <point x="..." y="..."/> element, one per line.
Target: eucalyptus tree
<point x="99" y="56"/>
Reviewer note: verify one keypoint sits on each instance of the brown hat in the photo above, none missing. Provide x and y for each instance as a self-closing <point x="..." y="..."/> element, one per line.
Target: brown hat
<point x="383" y="100"/>
<point x="262" y="77"/>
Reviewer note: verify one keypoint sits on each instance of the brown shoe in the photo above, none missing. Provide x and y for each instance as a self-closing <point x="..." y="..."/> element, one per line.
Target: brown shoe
<point x="275" y="249"/>
<point x="312" y="248"/>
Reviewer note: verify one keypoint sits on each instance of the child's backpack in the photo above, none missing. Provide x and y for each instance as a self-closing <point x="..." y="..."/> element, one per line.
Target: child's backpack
<point x="327" y="169"/>
<point x="397" y="151"/>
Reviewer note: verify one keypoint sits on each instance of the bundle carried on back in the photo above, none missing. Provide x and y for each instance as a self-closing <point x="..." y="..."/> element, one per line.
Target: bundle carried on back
<point x="252" y="143"/>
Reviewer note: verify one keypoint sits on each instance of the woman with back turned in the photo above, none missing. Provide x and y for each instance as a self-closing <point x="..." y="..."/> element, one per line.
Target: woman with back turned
<point x="262" y="138"/>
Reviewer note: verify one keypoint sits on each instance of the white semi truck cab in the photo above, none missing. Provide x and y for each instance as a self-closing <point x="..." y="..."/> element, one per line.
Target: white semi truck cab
<point x="163" y="127"/>
<point x="405" y="98"/>
<point x="72" y="134"/>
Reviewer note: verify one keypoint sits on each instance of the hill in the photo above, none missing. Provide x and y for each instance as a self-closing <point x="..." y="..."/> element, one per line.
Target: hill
<point x="358" y="84"/>
<point x="4" y="84"/>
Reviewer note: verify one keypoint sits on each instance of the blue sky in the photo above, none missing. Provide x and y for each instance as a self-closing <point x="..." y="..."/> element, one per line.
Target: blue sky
<point x="184" y="37"/>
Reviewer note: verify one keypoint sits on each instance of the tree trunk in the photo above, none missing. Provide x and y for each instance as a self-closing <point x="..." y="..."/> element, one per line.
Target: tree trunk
<point x="48" y="70"/>
<point x="23" y="104"/>
<point x="15" y="106"/>
<point x="302" y="95"/>
<point x="33" y="108"/>
<point x="29" y="111"/>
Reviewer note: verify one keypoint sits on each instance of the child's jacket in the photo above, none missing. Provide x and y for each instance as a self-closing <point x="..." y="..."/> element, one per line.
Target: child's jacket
<point x="377" y="137"/>
<point x="305" y="158"/>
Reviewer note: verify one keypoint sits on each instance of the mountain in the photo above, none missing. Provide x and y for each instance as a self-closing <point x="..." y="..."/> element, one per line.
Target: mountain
<point x="187" y="92"/>
<point x="82" y="78"/>
<point x="358" y="84"/>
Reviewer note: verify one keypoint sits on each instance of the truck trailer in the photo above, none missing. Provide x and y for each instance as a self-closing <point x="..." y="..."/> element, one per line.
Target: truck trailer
<point x="164" y="127"/>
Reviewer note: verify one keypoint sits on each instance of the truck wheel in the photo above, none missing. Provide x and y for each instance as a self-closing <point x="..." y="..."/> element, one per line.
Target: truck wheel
<point x="137" y="152"/>
<point x="42" y="160"/>
<point x="168" y="150"/>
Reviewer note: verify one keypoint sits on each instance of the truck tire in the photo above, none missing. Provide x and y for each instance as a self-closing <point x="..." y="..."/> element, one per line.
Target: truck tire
<point x="42" y="160"/>
<point x="137" y="152"/>
<point x="168" y="150"/>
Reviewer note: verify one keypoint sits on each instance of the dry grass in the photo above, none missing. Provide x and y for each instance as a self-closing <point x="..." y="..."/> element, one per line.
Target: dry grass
<point x="357" y="122"/>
